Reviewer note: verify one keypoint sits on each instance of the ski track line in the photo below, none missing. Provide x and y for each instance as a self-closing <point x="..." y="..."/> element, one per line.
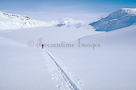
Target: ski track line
<point x="69" y="82"/>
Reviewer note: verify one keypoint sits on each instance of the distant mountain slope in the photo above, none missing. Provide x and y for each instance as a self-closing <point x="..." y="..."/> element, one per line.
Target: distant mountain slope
<point x="68" y="22"/>
<point x="121" y="18"/>
<point x="13" y="21"/>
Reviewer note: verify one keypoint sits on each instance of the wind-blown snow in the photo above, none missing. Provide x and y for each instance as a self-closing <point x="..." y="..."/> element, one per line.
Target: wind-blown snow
<point x="121" y="18"/>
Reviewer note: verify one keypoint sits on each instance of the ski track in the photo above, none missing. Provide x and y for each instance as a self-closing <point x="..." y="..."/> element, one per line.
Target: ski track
<point x="64" y="75"/>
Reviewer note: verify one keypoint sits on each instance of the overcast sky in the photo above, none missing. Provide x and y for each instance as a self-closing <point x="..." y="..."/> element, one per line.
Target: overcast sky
<point x="87" y="10"/>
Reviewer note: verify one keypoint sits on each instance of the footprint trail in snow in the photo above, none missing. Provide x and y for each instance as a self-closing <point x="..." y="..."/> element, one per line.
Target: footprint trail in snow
<point x="64" y="82"/>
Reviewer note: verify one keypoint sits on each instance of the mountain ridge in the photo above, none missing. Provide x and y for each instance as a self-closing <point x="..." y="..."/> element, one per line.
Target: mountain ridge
<point x="123" y="17"/>
<point x="15" y="21"/>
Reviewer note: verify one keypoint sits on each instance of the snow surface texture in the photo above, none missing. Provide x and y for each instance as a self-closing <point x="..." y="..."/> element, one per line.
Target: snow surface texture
<point x="30" y="68"/>
<point x="68" y="83"/>
<point x="121" y="18"/>
<point x="109" y="67"/>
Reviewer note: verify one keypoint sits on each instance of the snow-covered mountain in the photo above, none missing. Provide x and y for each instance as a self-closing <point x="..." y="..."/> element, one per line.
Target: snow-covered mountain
<point x="14" y="21"/>
<point x="121" y="18"/>
<point x="68" y="22"/>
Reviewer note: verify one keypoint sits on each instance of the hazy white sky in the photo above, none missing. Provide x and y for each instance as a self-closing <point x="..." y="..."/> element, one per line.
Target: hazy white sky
<point x="47" y="16"/>
<point x="87" y="10"/>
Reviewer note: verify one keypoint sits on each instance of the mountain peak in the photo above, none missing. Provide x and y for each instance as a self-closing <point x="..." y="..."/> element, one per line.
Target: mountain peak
<point x="123" y="17"/>
<point x="128" y="8"/>
<point x="13" y="16"/>
<point x="131" y="11"/>
<point x="14" y="21"/>
<point x="65" y="18"/>
<point x="68" y="22"/>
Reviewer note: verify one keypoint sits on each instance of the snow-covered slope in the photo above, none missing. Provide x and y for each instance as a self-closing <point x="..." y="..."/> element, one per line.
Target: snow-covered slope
<point x="121" y="18"/>
<point x="27" y="68"/>
<point x="68" y="22"/>
<point x="13" y="21"/>
<point x="110" y="66"/>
